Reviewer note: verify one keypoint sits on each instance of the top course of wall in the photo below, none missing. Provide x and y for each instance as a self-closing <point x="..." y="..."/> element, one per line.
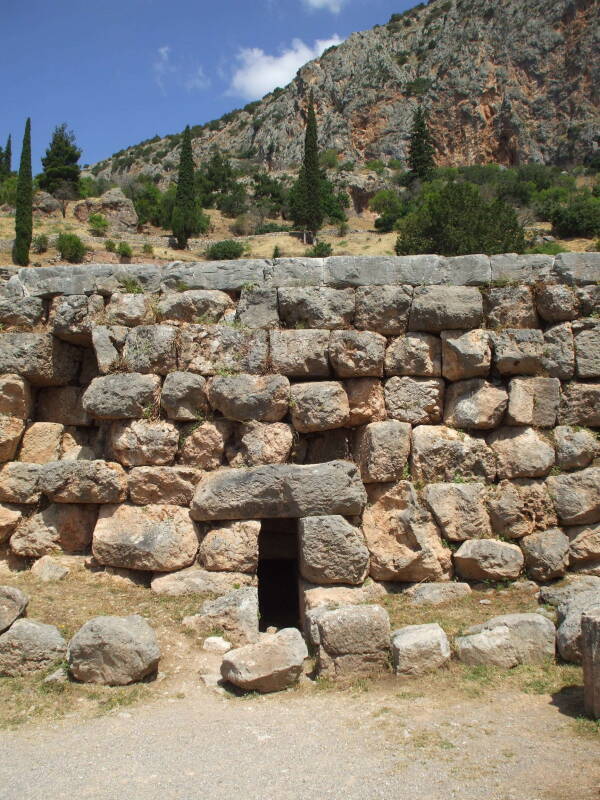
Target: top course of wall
<point x="575" y="269"/>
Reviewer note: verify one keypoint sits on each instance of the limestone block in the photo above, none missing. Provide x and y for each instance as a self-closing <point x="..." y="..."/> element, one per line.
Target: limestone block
<point x="366" y="400"/>
<point x="62" y="405"/>
<point x="163" y="485"/>
<point x="83" y="482"/>
<point x="590" y="648"/>
<point x="10" y="516"/>
<point x="466" y="354"/>
<point x="203" y="446"/>
<point x="332" y="551"/>
<point x="418" y="649"/>
<point x="42" y="442"/>
<point x="357" y="354"/>
<point x="236" y="614"/>
<point x="415" y="354"/>
<point x="558" y="357"/>
<point x="11" y="431"/>
<point x="231" y="547"/>
<point x="319" y="406"/>
<point x="576" y="496"/>
<point x="556" y="302"/>
<point x="58" y="527"/>
<point x="459" y="510"/>
<point x="151" y="349"/>
<point x="40" y="358"/>
<point x="121" y="396"/>
<point x="140" y="442"/>
<point x="183" y="397"/>
<point x="521" y="453"/>
<point x="129" y="310"/>
<point x="438" y="308"/>
<point x="518" y="351"/>
<point x="381" y="450"/>
<point x="440" y="453"/>
<point x="209" y="350"/>
<point x="533" y="401"/>
<point x="546" y="554"/>
<point x="20" y="483"/>
<point x="271" y="665"/>
<point x="419" y="401"/>
<point x="300" y="354"/>
<point x="108" y="342"/>
<point x="475" y="404"/>
<point x="580" y="404"/>
<point x="587" y="348"/>
<point x="258" y="308"/>
<point x="250" y="397"/>
<point x="15" y="397"/>
<point x="383" y="309"/>
<point x="258" y="443"/>
<point x="29" y="646"/>
<point x="520" y="508"/>
<point x="488" y="560"/>
<point x="316" y="307"/>
<point x="575" y="448"/>
<point x="72" y="318"/>
<point x="194" y="580"/>
<point x="195" y="305"/>
<point x="13" y="604"/>
<point x="353" y="640"/>
<point x="510" y="307"/>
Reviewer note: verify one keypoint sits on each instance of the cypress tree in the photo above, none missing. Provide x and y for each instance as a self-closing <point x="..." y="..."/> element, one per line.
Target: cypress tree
<point x="24" y="209"/>
<point x="8" y="156"/>
<point x="61" y="169"/>
<point x="306" y="201"/>
<point x="420" y="148"/>
<point x="187" y="219"/>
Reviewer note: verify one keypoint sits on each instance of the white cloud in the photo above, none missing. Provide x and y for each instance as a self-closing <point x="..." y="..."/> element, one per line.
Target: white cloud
<point x="198" y="80"/>
<point x="162" y="66"/>
<point x="335" y="6"/>
<point x="259" y="72"/>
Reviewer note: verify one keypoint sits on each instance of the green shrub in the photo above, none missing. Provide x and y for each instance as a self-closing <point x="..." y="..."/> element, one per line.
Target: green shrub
<point x="390" y="208"/>
<point x="328" y="159"/>
<point x="276" y="252"/>
<point x="98" y="224"/>
<point x="347" y="166"/>
<point x="148" y="250"/>
<point x="579" y="217"/>
<point x="320" y="250"/>
<point x="40" y="243"/>
<point x="546" y="249"/>
<point x="418" y="87"/>
<point x="272" y="227"/>
<point x="227" y="250"/>
<point x="377" y="165"/>
<point x="110" y="246"/>
<point x="71" y="248"/>
<point x="456" y="220"/>
<point x="124" y="250"/>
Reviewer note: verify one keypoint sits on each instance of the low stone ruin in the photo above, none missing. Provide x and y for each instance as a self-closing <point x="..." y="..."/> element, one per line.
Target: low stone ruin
<point x="323" y="428"/>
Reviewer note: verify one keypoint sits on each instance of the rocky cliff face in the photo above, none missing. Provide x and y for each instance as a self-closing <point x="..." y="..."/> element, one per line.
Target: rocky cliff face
<point x="504" y="81"/>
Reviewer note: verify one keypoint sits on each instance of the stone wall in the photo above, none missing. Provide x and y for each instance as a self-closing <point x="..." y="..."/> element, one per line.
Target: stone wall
<point x="422" y="417"/>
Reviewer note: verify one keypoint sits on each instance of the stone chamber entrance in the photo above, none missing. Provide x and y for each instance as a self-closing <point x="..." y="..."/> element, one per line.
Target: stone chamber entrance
<point x="278" y="592"/>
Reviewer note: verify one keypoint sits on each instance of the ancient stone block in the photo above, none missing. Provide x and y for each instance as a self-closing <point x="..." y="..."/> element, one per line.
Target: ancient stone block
<point x="11" y="430"/>
<point x="210" y="350"/>
<point x="195" y="305"/>
<point x="280" y="490"/>
<point x="108" y="342"/>
<point x="58" y="527"/>
<point x="508" y="640"/>
<point x="121" y="396"/>
<point x="587" y="348"/>
<point x="459" y="510"/>
<point x="521" y="453"/>
<point x="326" y="446"/>
<point x="318" y="406"/>
<point x="236" y="614"/>
<point x="357" y="354"/>
<point x="231" y="547"/>
<point x="139" y="442"/>
<point x="271" y="665"/>
<point x="258" y="308"/>
<point x="42" y="442"/>
<point x="21" y="312"/>
<point x="575" y="448"/>
<point x="250" y="397"/>
<point x="590" y="649"/>
<point x="83" y="482"/>
<point x="533" y="401"/>
<point x="584" y="545"/>
<point x="475" y="404"/>
<point x="151" y="349"/>
<point x="129" y="310"/>
<point x="416" y="354"/>
<point x="576" y="496"/>
<point x="62" y="405"/>
<point x="556" y="302"/>
<point x="316" y="307"/>
<point x="353" y="640"/>
<point x="419" y="401"/>
<point x="488" y="560"/>
<point x="10" y="516"/>
<point x="442" y="454"/>
<point x="465" y="354"/>
<point x="366" y="400"/>
<point x="558" y="357"/>
<point x="40" y="358"/>
<point x="72" y="318"/>
<point x="163" y="485"/>
<point x="332" y="551"/>
<point x="438" y="308"/>
<point x="300" y="354"/>
<point x="29" y="646"/>
<point x="195" y="580"/>
<point x="510" y="307"/>
<point x="15" y="397"/>
<point x="580" y="404"/>
<point x="518" y="351"/>
<point x="383" y="309"/>
<point x="418" y="649"/>
<point x="520" y="508"/>
<point x="13" y="604"/>
<point x="381" y="450"/>
<point x="546" y="554"/>
<point x="258" y="443"/>
<point x="203" y="446"/>
<point x="183" y="397"/>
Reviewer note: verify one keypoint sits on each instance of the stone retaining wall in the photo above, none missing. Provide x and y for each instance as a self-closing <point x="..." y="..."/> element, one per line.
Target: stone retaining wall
<point x="423" y="417"/>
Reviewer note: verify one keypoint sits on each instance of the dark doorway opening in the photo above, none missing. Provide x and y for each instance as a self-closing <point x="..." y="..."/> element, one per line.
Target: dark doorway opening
<point x="278" y="600"/>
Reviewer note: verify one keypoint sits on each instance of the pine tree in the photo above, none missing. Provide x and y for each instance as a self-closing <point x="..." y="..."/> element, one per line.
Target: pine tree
<point x="8" y="156"/>
<point x="306" y="200"/>
<point x="420" y="148"/>
<point x="187" y="219"/>
<point x="61" y="170"/>
<point x="24" y="211"/>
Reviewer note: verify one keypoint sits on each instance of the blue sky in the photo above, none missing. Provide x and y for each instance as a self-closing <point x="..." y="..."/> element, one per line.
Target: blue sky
<point x="120" y="71"/>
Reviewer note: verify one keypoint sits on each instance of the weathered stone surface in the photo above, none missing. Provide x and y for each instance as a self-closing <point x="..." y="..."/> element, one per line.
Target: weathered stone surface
<point x="419" y="401"/>
<point x="520" y="508"/>
<point x="11" y="430"/>
<point x="302" y="353"/>
<point x="587" y="348"/>
<point x="316" y="307"/>
<point x="590" y="650"/>
<point x="49" y="570"/>
<point x="555" y="594"/>
<point x="466" y="354"/>
<point x="42" y="442"/>
<point x="183" y="397"/>
<point x="259" y="443"/>
<point x="546" y="554"/>
<point x="21" y="312"/>
<point x="151" y="349"/>
<point x="258" y="308"/>
<point x="29" y="646"/>
<point x="194" y="580"/>
<point x="222" y="275"/>
<point x="319" y="406"/>
<point x="163" y="485"/>
<point x="576" y="496"/>
<point x="158" y="538"/>
<point x="459" y="510"/>
<point x="439" y="308"/>
<point x="418" y="649"/>
<point x="580" y="404"/>
<point x="231" y="547"/>
<point x="353" y="639"/>
<point x="508" y="640"/>
<point x="441" y="454"/>
<point x="20" y="483"/>
<point x="533" y="401"/>
<point x="129" y="310"/>
<point x="40" y="358"/>
<point x="195" y="305"/>
<point x="10" y="516"/>
<point x="113" y="651"/>
<point x="556" y="302"/>
<point x="381" y="450"/>
<point x="518" y="351"/>
<point x="584" y="545"/>
<point x="271" y="665"/>
<point x="13" y="604"/>
<point x="108" y="342"/>
<point x="357" y="354"/>
<point x="513" y="268"/>
<point x="83" y="444"/>
<point x="327" y="446"/>
<point x="366" y="400"/>
<point x="488" y="559"/>
<point x="332" y="551"/>
<point x="521" y="453"/>
<point x="123" y="396"/>
<point x="15" y="397"/>
<point x="216" y="644"/>
<point x="203" y="446"/>
<point x="575" y="448"/>
<point x="383" y="309"/>
<point x="416" y="354"/>
<point x="114" y="205"/>
<point x="84" y="482"/>
<point x="588" y="298"/>
<point x="280" y="490"/>
<point x="250" y="397"/>
<point x="475" y="404"/>
<point x="510" y="307"/>
<point x="558" y="357"/>
<point x="72" y="318"/>
<point x="404" y="542"/>
<point x="139" y="443"/>
<point x="570" y="613"/>
<point x="435" y="594"/>
<point x="209" y="350"/>
<point x="55" y="528"/>
<point x="63" y="405"/>
<point x="313" y="599"/>
<point x="236" y="614"/>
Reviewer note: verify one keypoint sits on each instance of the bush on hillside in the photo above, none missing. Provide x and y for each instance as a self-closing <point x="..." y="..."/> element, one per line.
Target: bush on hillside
<point x="40" y="243"/>
<point x="110" y="246"/>
<point x="98" y="224"/>
<point x="124" y="251"/>
<point x="71" y="248"/>
<point x="227" y="250"/>
<point x="579" y="217"/>
<point x="320" y="250"/>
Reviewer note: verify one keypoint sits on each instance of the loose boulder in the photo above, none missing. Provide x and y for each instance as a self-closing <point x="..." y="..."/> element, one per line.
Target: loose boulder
<point x="418" y="649"/>
<point x="29" y="646"/>
<point x="508" y="640"/>
<point x="13" y="604"/>
<point x="488" y="560"/>
<point x="271" y="665"/>
<point x="353" y="640"/>
<point x="236" y="614"/>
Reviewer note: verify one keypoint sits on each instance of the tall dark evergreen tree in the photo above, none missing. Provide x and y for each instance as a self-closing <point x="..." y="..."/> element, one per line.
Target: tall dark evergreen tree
<point x="8" y="156"/>
<point x="24" y="209"/>
<point x="187" y="219"/>
<point x="306" y="201"/>
<point x="420" y="149"/>
<point x="61" y="170"/>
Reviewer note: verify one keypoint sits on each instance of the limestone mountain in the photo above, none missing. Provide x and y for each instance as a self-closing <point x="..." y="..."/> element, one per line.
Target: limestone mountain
<point x="503" y="81"/>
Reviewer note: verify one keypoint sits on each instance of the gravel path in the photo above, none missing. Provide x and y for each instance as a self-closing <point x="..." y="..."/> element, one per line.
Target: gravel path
<point x="383" y="743"/>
